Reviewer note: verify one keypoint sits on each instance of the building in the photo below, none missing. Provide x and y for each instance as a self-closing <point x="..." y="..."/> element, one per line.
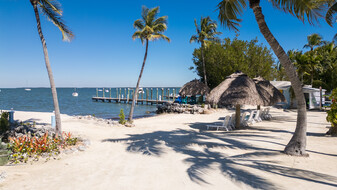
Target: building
<point x="312" y="95"/>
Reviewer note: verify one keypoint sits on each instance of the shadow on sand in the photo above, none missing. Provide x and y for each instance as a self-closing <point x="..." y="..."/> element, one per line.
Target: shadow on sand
<point x="239" y="168"/>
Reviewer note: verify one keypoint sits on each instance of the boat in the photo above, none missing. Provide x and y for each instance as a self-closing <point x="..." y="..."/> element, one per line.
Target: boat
<point x="140" y="90"/>
<point x="106" y="90"/>
<point x="100" y="90"/>
<point x="75" y="94"/>
<point x="28" y="89"/>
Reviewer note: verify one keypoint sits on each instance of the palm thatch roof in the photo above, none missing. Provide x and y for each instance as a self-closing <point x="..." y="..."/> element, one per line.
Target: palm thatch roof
<point x="238" y="88"/>
<point x="268" y="92"/>
<point x="194" y="87"/>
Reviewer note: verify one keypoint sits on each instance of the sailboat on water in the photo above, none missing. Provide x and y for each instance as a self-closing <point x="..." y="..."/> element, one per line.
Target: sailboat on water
<point x="75" y="94"/>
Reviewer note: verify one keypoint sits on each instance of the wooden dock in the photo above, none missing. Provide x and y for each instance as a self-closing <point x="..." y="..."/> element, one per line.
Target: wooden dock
<point x="125" y="100"/>
<point x="147" y="96"/>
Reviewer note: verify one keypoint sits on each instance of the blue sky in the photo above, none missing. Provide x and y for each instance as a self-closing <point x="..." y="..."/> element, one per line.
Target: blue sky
<point x="103" y="53"/>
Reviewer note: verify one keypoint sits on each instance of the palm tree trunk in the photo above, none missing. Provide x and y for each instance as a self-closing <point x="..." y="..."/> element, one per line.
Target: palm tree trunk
<point x="203" y="64"/>
<point x="135" y="94"/>
<point x="50" y="73"/>
<point x="297" y="144"/>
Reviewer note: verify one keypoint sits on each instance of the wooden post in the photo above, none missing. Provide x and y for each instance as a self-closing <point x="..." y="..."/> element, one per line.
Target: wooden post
<point x="237" y="116"/>
<point x="157" y="96"/>
<point x="147" y="95"/>
<point x="168" y="94"/>
<point x="174" y="94"/>
<point x="96" y="92"/>
<point x="162" y="94"/>
<point x="151" y="93"/>
<point x="117" y="93"/>
<point x="110" y="92"/>
<point x="103" y="93"/>
<point x="128" y="97"/>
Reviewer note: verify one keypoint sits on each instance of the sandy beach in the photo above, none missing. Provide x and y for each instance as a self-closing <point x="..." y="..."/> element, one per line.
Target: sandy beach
<point x="175" y="151"/>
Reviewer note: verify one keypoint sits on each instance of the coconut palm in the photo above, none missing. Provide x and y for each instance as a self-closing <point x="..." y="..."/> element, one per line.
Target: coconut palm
<point x="52" y="10"/>
<point x="229" y="12"/>
<point x="314" y="40"/>
<point x="330" y="15"/>
<point x="206" y="33"/>
<point x="149" y="28"/>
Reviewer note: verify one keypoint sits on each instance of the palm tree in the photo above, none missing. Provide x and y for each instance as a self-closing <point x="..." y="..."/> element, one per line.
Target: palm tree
<point x="205" y="33"/>
<point x="330" y="15"/>
<point x="314" y="40"/>
<point x="229" y="12"/>
<point x="149" y="28"/>
<point x="52" y="10"/>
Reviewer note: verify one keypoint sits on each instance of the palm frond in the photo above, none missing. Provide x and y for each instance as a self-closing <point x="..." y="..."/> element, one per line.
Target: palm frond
<point x="330" y="16"/>
<point x="310" y="10"/>
<point x="229" y="11"/>
<point x="138" y="34"/>
<point x="138" y="24"/>
<point x="194" y="38"/>
<point x="158" y="36"/>
<point x="48" y="8"/>
<point x="159" y="27"/>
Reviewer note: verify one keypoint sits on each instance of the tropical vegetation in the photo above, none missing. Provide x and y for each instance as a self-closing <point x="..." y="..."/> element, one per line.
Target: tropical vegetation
<point x="228" y="56"/>
<point x="229" y="12"/>
<point x="149" y="28"/>
<point x="206" y="34"/>
<point x="317" y="67"/>
<point x="332" y="113"/>
<point x="52" y="10"/>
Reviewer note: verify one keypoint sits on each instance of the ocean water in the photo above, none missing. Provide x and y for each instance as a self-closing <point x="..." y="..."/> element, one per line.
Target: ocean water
<point x="40" y="100"/>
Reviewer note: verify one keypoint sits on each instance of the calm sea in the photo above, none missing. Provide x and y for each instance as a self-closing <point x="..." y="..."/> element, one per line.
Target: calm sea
<point x="40" y="100"/>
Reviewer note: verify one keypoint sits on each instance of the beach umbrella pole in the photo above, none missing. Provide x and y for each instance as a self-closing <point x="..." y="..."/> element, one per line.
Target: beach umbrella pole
<point x="237" y="116"/>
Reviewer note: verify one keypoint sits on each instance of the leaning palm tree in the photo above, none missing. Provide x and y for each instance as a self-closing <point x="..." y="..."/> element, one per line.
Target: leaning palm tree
<point x="229" y="12"/>
<point x="52" y="10"/>
<point x="330" y="16"/>
<point x="149" y="28"/>
<point x="314" y="40"/>
<point x="206" y="33"/>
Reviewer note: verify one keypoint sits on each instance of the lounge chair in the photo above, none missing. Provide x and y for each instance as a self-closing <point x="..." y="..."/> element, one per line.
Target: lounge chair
<point x="231" y="124"/>
<point x="244" y="119"/>
<point x="251" y="117"/>
<point x="267" y="115"/>
<point x="223" y="126"/>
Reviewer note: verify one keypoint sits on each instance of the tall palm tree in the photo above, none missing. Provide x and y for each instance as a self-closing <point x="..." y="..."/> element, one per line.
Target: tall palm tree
<point x="206" y="33"/>
<point x="314" y="40"/>
<point x="229" y="12"/>
<point x="52" y="10"/>
<point x="330" y="16"/>
<point x="149" y="28"/>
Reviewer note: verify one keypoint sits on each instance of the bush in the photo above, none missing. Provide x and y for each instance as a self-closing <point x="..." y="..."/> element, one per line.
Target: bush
<point x="122" y="117"/>
<point x="4" y="122"/>
<point x="332" y="113"/>
<point x="24" y="147"/>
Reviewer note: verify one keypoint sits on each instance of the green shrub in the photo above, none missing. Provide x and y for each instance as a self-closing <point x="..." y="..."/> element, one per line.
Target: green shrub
<point x="332" y="113"/>
<point x="4" y="122"/>
<point x="122" y="117"/>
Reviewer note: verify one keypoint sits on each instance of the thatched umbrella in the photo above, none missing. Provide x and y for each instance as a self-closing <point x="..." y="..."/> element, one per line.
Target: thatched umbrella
<point x="194" y="87"/>
<point x="238" y="89"/>
<point x="268" y="91"/>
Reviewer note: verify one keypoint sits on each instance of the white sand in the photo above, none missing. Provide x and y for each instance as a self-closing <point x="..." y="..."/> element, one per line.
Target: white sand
<point x="175" y="152"/>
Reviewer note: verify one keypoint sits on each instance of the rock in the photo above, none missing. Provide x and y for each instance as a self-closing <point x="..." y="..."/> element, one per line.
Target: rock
<point x="81" y="148"/>
<point x="74" y="149"/>
<point x="67" y="151"/>
<point x="86" y="142"/>
<point x="3" y="176"/>
<point x="129" y="125"/>
<point x="44" y="155"/>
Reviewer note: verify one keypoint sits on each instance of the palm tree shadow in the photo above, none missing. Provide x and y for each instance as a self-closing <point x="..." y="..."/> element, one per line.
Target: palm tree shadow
<point x="234" y="167"/>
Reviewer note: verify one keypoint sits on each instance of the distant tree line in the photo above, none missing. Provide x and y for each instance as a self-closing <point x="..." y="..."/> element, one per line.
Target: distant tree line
<point x="228" y="56"/>
<point x="318" y="66"/>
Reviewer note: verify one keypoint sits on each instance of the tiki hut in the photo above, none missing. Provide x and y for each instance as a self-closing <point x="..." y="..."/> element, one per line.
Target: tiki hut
<point x="238" y="89"/>
<point x="268" y="92"/>
<point x="193" y="88"/>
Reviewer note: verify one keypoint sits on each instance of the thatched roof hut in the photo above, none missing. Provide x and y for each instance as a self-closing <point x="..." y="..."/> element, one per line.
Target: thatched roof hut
<point x="268" y="92"/>
<point x="194" y="87"/>
<point x="237" y="89"/>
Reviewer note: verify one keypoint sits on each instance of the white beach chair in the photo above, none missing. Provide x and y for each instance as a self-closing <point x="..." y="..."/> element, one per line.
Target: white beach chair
<point x="262" y="113"/>
<point x="223" y="126"/>
<point x="231" y="124"/>
<point x="267" y="115"/>
<point x="251" y="117"/>
<point x="257" y="117"/>
<point x="243" y="121"/>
